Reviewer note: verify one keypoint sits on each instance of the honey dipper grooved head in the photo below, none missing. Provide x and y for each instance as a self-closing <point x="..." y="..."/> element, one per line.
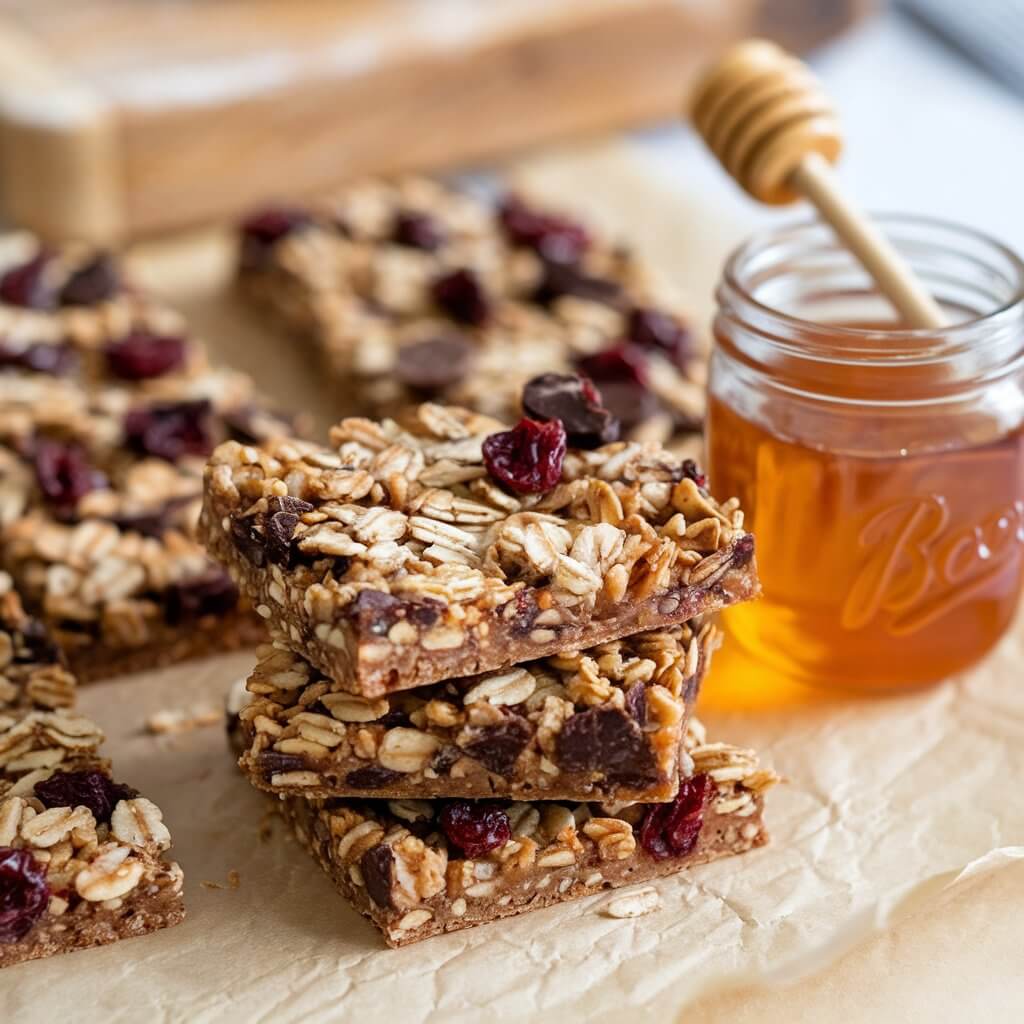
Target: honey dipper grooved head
<point x="761" y="111"/>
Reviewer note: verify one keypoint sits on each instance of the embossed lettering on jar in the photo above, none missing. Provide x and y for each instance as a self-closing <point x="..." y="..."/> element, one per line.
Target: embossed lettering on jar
<point x="881" y="469"/>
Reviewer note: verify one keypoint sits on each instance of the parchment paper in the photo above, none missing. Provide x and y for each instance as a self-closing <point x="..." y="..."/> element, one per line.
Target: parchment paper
<point x="896" y="810"/>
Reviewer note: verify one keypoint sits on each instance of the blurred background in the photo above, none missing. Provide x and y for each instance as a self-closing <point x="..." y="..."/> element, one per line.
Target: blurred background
<point x="129" y="118"/>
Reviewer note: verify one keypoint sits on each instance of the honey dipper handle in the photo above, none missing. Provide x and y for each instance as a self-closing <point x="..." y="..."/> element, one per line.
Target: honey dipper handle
<point x="813" y="177"/>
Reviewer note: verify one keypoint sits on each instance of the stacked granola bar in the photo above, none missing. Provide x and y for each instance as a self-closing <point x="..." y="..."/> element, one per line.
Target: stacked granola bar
<point x="486" y="647"/>
<point x="413" y="291"/>
<point x="108" y="409"/>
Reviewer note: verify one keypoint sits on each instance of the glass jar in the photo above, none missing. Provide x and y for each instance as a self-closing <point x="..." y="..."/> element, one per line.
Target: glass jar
<point x="881" y="468"/>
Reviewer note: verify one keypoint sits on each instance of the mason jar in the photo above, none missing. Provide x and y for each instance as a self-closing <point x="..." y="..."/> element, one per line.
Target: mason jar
<point x="881" y="468"/>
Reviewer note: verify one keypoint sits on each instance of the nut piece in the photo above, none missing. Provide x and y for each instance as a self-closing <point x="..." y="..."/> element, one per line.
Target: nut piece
<point x="140" y="822"/>
<point x="50" y="827"/>
<point x="614" y="837"/>
<point x="633" y="904"/>
<point x="109" y="876"/>
<point x="347" y="707"/>
<point x="407" y="750"/>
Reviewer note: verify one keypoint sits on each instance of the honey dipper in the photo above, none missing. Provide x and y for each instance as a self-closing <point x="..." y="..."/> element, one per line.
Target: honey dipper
<point x="768" y="121"/>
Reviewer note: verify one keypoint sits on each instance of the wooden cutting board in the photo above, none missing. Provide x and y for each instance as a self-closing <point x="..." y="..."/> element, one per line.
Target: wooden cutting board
<point x="127" y="117"/>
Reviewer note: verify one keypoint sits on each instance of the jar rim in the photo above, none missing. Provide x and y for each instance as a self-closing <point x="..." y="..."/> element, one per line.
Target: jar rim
<point x="763" y="241"/>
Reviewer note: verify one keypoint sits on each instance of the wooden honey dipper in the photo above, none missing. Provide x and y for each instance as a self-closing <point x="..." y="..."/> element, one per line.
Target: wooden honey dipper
<point x="768" y="121"/>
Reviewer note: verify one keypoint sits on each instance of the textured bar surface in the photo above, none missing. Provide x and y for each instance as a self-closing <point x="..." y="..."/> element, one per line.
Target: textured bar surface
<point x="601" y="724"/>
<point x="412" y="290"/>
<point x="81" y="857"/>
<point x="401" y="865"/>
<point x="394" y="559"/>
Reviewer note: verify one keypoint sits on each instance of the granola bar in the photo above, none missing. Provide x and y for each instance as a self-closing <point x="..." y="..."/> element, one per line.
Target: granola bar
<point x="73" y="313"/>
<point x="395" y="558"/>
<point x="600" y="724"/>
<point x="32" y="671"/>
<point x="412" y="290"/>
<point x="81" y="856"/>
<point x="419" y="868"/>
<point x="100" y="490"/>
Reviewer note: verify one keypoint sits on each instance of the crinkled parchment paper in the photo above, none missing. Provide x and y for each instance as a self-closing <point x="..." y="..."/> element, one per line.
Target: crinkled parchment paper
<point x="904" y="808"/>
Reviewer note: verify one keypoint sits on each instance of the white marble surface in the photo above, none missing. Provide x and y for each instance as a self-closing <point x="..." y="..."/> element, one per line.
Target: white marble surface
<point x="927" y="132"/>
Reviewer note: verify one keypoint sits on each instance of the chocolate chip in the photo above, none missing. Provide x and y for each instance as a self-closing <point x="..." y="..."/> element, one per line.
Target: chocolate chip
<point x="605" y="740"/>
<point x="445" y="758"/>
<point x="271" y="763"/>
<point x="92" y="283"/>
<point x="435" y="364"/>
<point x="278" y="530"/>
<point x="561" y="279"/>
<point x="424" y="612"/>
<point x="249" y="540"/>
<point x="574" y="401"/>
<point x="497" y="747"/>
<point x="630" y="403"/>
<point x="294" y="506"/>
<point x="213" y="593"/>
<point x="636" y="703"/>
<point x="378" y="868"/>
<point x="373" y="776"/>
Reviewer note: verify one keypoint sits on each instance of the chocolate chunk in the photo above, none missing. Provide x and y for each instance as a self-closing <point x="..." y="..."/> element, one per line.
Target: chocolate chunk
<point x="497" y="747"/>
<point x="628" y="402"/>
<point x="424" y="612"/>
<point x="445" y="758"/>
<point x="249" y="540"/>
<point x="561" y="279"/>
<point x="574" y="401"/>
<point x="636" y="703"/>
<point x="378" y="868"/>
<point x="295" y="506"/>
<point x="435" y="364"/>
<point x="271" y="763"/>
<point x="278" y="530"/>
<point x="210" y="594"/>
<point x="373" y="776"/>
<point x="92" y="283"/>
<point x="605" y="740"/>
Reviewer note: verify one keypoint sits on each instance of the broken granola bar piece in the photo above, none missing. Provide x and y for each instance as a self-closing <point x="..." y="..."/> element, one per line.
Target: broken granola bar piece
<point x="600" y="724"/>
<point x="395" y="558"/>
<point x="418" y="868"/>
<point x="81" y="856"/>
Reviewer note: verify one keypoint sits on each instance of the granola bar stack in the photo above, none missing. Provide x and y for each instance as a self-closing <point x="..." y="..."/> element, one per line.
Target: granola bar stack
<point x="108" y="410"/>
<point x="487" y="645"/>
<point x="412" y="291"/>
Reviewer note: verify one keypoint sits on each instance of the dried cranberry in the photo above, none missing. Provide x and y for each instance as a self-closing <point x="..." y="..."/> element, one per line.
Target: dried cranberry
<point x="671" y="830"/>
<point x="605" y="740"/>
<point x="377" y="866"/>
<point x="40" y="357"/>
<point x="475" y="828"/>
<point x="24" y="894"/>
<point x="94" y="790"/>
<point x="621" y="363"/>
<point x="419" y="230"/>
<point x="461" y="295"/>
<point x="497" y="747"/>
<point x="652" y="329"/>
<point x="435" y="364"/>
<point x="561" y="279"/>
<point x="555" y="239"/>
<point x="273" y="762"/>
<point x="170" y="430"/>
<point x="743" y="550"/>
<point x="28" y="284"/>
<point x="574" y="401"/>
<point x="525" y="611"/>
<point x="528" y="458"/>
<point x="691" y="471"/>
<point x="141" y="355"/>
<point x="213" y="593"/>
<point x="92" y="283"/>
<point x="262" y="230"/>
<point x="64" y="473"/>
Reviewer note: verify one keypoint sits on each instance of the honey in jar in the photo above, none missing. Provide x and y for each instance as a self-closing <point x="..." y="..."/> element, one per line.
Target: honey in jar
<point x="881" y="469"/>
